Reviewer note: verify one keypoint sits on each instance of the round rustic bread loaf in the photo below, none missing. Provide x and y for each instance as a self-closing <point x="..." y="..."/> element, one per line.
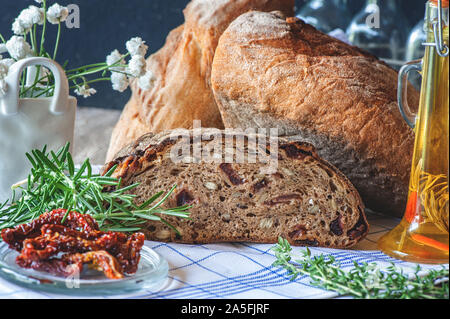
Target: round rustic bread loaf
<point x="182" y="68"/>
<point x="273" y="71"/>
<point x="304" y="199"/>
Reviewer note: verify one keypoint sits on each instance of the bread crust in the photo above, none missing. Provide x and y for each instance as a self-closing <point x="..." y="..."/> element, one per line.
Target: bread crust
<point x="335" y="219"/>
<point x="182" y="68"/>
<point x="128" y="128"/>
<point x="273" y="71"/>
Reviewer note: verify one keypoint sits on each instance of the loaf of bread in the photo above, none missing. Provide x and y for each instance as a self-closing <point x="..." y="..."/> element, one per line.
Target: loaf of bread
<point x="182" y="68"/>
<point x="304" y="199"/>
<point x="273" y="71"/>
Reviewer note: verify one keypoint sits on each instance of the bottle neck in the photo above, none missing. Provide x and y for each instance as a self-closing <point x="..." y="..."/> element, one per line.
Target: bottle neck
<point x="432" y="14"/>
<point x="436" y="29"/>
<point x="384" y="4"/>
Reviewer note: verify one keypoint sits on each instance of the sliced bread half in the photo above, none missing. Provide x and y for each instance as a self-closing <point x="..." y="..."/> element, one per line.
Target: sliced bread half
<point x="304" y="199"/>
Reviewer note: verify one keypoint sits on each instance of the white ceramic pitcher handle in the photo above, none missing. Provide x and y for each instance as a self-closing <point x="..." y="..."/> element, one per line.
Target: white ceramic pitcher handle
<point x="9" y="103"/>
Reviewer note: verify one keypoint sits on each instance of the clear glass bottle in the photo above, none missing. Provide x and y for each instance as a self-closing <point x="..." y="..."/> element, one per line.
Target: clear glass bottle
<point x="423" y="234"/>
<point x="325" y="15"/>
<point x="381" y="28"/>
<point x="414" y="48"/>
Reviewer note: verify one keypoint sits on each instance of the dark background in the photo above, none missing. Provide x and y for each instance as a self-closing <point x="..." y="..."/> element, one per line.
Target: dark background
<point x="106" y="25"/>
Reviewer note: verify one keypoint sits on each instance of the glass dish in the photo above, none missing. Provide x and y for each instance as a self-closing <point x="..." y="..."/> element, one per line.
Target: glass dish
<point x="151" y="274"/>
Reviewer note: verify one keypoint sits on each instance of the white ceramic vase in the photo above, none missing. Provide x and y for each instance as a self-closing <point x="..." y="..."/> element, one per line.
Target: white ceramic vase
<point x="31" y="123"/>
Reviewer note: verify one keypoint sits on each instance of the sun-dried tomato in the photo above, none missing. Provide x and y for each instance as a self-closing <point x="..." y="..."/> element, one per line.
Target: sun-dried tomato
<point x="99" y="260"/>
<point x="69" y="264"/>
<point x="14" y="237"/>
<point x="79" y="237"/>
<point x="56" y="238"/>
<point x="53" y="266"/>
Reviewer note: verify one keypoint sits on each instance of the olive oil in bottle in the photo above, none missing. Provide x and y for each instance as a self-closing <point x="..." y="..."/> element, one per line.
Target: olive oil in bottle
<point x="423" y="234"/>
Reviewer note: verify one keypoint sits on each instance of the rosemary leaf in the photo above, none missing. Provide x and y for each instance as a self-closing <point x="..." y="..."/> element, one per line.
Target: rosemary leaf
<point x="54" y="182"/>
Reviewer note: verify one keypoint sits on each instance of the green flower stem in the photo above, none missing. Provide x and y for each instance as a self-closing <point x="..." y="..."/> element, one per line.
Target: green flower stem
<point x="36" y="77"/>
<point x="91" y="81"/>
<point x="93" y="70"/>
<point x="44" y="28"/>
<point x="36" y="81"/>
<point x="58" y="36"/>
<point x="127" y="74"/>
<point x="23" y="80"/>
<point x="85" y="67"/>
<point x="34" y="47"/>
<point x="47" y="90"/>
<point x="50" y="88"/>
<point x="98" y="80"/>
<point x="72" y="78"/>
<point x="33" y="39"/>
<point x="2" y="38"/>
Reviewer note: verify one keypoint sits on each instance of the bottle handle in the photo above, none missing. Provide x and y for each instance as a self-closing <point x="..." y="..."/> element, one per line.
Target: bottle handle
<point x="402" y="92"/>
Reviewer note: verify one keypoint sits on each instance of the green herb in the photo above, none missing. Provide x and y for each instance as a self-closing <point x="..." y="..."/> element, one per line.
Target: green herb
<point x="54" y="182"/>
<point x="364" y="280"/>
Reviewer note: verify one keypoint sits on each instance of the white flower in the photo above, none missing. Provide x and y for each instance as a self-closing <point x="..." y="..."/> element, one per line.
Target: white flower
<point x="57" y="14"/>
<point x="7" y="62"/>
<point x="85" y="91"/>
<point x="27" y="18"/>
<point x="136" y="46"/>
<point x="137" y="65"/>
<point x="3" y="48"/>
<point x="18" y="48"/>
<point x="38" y="1"/>
<point x="19" y="28"/>
<point x="113" y="58"/>
<point x="33" y="15"/>
<point x="119" y="81"/>
<point x="146" y="81"/>
<point x="3" y="87"/>
<point x="3" y="70"/>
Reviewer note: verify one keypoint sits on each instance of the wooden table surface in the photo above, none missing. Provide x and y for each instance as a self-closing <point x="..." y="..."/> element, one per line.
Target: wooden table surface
<point x="93" y="128"/>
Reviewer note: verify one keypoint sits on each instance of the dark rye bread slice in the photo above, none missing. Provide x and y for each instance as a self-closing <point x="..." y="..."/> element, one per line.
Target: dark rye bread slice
<point x="306" y="200"/>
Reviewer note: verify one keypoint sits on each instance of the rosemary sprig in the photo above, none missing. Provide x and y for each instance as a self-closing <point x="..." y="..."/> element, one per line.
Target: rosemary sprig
<point x="55" y="182"/>
<point x="364" y="280"/>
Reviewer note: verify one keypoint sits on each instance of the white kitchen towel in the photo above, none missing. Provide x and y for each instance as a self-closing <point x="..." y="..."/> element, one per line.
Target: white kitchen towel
<point x="240" y="270"/>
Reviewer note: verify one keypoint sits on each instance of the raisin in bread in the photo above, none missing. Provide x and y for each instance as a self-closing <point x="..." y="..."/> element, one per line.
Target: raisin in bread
<point x="305" y="199"/>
